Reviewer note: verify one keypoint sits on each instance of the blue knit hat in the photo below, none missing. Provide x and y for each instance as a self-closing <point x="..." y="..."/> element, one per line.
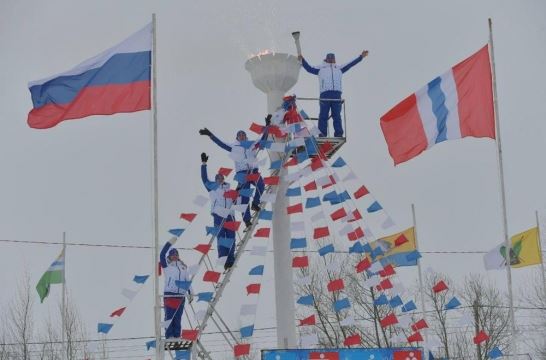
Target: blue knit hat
<point x="173" y="252"/>
<point x="330" y="56"/>
<point x="240" y="132"/>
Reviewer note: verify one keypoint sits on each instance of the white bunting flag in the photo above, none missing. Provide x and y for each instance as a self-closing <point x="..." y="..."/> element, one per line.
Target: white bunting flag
<point x="308" y="341"/>
<point x="248" y="309"/>
<point x="129" y="294"/>
<point x="200" y="200"/>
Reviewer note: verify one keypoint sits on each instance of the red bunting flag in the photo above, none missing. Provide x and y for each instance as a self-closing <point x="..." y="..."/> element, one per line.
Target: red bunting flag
<point x="364" y="264"/>
<point x="293" y="161"/>
<point x="481" y="337"/>
<point x="188" y="216"/>
<point x="203" y="248"/>
<point x="311" y="186"/>
<point x="421" y="324"/>
<point x="415" y="337"/>
<point x="385" y="284"/>
<point x="388" y="270"/>
<point x="338" y="214"/>
<point x="300" y="262"/>
<point x="231" y="194"/>
<point x="356" y="216"/>
<point x="241" y="349"/>
<point x="316" y="163"/>
<point x="271" y="180"/>
<point x="356" y="234"/>
<point x="321" y="232"/>
<point x="293" y="209"/>
<point x="253" y="289"/>
<point x="389" y="320"/>
<point x="440" y="286"/>
<point x="352" y="340"/>
<point x="252" y="177"/>
<point x="224" y="171"/>
<point x="262" y="232"/>
<point x="275" y="131"/>
<point x="310" y="320"/>
<point x="232" y="225"/>
<point x="362" y="191"/>
<point x="324" y="149"/>
<point x="117" y="312"/>
<point x="336" y="285"/>
<point x="258" y="129"/>
<point x="190" y="335"/>
<point x="211" y="276"/>
<point x="402" y="239"/>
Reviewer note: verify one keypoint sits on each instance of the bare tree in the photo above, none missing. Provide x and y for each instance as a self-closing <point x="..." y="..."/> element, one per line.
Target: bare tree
<point x="489" y="312"/>
<point x="20" y="322"/>
<point x="438" y="301"/>
<point x="367" y="315"/>
<point x="535" y="297"/>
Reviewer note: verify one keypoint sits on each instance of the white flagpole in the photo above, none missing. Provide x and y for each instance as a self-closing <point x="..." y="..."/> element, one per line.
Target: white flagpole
<point x="420" y="271"/>
<point x="543" y="275"/>
<point x="507" y="242"/>
<point x="157" y="299"/>
<point x="63" y="302"/>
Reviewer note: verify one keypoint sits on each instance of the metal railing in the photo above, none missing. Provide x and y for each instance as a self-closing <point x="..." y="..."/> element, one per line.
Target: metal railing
<point x="343" y="110"/>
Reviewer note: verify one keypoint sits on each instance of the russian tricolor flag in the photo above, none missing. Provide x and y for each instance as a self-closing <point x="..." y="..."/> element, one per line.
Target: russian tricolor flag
<point x="457" y="104"/>
<point x="115" y="81"/>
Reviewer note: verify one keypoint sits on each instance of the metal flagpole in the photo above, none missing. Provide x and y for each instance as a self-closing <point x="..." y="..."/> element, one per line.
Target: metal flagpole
<point x="543" y="275"/>
<point x="508" y="245"/>
<point x="157" y="299"/>
<point x="421" y="288"/>
<point x="63" y="301"/>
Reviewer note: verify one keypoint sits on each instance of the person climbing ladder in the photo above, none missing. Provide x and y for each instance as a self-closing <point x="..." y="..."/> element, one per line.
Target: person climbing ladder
<point x="220" y="211"/>
<point x="244" y="153"/>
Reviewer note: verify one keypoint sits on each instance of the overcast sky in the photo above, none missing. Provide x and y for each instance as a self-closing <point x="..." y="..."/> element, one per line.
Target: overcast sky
<point x="92" y="178"/>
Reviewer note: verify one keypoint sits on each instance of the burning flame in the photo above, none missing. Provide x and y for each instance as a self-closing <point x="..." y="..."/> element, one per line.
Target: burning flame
<point x="262" y="53"/>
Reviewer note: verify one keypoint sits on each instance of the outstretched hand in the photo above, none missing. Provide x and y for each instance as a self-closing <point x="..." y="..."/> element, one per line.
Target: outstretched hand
<point x="204" y="158"/>
<point x="365" y="53"/>
<point x="205" y="131"/>
<point x="300" y="57"/>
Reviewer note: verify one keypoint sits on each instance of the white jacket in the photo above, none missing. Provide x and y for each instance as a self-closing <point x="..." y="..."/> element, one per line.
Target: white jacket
<point x="217" y="197"/>
<point x="175" y="271"/>
<point x="330" y="77"/>
<point x="245" y="159"/>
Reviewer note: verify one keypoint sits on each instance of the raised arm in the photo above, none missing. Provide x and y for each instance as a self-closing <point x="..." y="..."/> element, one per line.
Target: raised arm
<point x="310" y="69"/>
<point x="349" y="65"/>
<point x="163" y="253"/>
<point x="217" y="141"/>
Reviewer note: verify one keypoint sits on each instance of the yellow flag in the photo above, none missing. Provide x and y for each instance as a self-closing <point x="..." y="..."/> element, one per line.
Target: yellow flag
<point x="398" y="249"/>
<point x="525" y="249"/>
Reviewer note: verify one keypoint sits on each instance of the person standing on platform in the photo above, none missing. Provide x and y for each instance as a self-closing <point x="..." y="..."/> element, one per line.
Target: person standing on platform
<point x="330" y="75"/>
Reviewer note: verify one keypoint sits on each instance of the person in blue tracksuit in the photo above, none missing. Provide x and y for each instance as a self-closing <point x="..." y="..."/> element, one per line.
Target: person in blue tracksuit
<point x="246" y="163"/>
<point x="217" y="189"/>
<point x="330" y="75"/>
<point x="174" y="297"/>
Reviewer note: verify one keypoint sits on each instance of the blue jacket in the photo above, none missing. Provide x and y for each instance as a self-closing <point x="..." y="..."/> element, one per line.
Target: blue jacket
<point x="330" y="75"/>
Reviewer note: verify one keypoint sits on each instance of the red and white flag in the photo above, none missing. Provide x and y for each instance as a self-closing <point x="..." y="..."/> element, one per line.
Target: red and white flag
<point x="456" y="104"/>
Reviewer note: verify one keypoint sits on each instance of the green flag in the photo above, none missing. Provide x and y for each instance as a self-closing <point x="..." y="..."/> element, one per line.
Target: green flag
<point x="53" y="275"/>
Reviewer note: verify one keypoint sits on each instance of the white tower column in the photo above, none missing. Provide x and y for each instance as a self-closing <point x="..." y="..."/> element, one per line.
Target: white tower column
<point x="275" y="74"/>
